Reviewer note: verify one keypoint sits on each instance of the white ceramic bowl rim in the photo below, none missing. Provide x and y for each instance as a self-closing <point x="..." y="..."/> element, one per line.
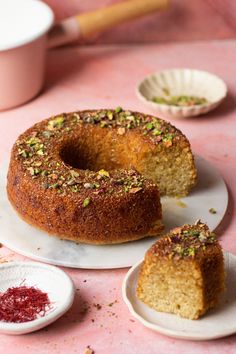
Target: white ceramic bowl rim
<point x="180" y="108"/>
<point x="51" y="315"/>
<point x="23" y="21"/>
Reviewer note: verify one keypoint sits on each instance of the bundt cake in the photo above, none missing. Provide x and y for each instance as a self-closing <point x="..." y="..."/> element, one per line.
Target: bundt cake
<point x="183" y="272"/>
<point x="91" y="176"/>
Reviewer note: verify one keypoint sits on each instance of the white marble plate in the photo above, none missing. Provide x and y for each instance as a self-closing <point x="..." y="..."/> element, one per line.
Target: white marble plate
<point x="216" y="323"/>
<point x="17" y="235"/>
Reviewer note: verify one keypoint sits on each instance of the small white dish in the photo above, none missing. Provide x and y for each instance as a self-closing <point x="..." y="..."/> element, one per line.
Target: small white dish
<point x="217" y="323"/>
<point x="49" y="279"/>
<point x="179" y="82"/>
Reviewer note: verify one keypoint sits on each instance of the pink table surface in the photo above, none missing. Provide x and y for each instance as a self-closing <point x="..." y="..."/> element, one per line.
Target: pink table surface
<point x="79" y="78"/>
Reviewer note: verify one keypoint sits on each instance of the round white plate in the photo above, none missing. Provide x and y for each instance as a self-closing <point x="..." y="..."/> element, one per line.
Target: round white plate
<point x="216" y="323"/>
<point x="47" y="278"/>
<point x="17" y="235"/>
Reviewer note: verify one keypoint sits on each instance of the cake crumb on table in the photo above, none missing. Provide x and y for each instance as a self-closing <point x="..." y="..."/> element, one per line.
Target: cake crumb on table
<point x="89" y="350"/>
<point x="98" y="306"/>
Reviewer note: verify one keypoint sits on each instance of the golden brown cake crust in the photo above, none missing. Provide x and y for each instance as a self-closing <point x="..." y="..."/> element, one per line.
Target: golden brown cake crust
<point x="51" y="190"/>
<point x="72" y="175"/>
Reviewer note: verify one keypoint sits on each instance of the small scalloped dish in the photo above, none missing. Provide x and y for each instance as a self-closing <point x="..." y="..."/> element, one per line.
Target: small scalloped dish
<point x="178" y="83"/>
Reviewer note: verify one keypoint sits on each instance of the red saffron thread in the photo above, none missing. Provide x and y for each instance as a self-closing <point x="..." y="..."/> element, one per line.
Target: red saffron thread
<point x="23" y="304"/>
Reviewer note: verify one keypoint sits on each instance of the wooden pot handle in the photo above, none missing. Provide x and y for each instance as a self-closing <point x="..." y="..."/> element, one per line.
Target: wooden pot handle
<point x="102" y="19"/>
<point x="86" y="24"/>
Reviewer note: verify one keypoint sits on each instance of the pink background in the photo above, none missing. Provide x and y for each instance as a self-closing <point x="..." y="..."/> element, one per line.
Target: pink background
<point x="184" y="20"/>
<point x="106" y="76"/>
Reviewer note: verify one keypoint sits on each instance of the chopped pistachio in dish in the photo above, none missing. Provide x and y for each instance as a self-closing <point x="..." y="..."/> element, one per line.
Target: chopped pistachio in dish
<point x="180" y="100"/>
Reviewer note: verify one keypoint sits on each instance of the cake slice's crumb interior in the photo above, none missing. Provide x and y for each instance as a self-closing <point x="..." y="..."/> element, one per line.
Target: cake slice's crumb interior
<point x="167" y="287"/>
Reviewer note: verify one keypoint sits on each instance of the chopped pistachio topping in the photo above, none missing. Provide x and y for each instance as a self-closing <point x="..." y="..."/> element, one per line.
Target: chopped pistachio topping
<point x="23" y="153"/>
<point x="47" y="134"/>
<point x="103" y="173"/>
<point x="187" y="241"/>
<point x="75" y="189"/>
<point x="32" y="141"/>
<point x="118" y="109"/>
<point x="74" y="174"/>
<point x="150" y="126"/>
<point x="86" y="202"/>
<point x="34" y="149"/>
<point x="33" y="171"/>
<point x="168" y="137"/>
<point x="91" y="185"/>
<point x="56" y="123"/>
<point x="54" y="185"/>
<point x="212" y="211"/>
<point x="110" y="115"/>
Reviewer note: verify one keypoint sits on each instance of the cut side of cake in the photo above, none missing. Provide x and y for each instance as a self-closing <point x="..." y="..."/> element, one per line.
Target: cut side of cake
<point x="183" y="272"/>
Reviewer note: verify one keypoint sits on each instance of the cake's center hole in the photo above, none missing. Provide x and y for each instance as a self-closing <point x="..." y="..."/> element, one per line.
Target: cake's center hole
<point x="72" y="155"/>
<point x="88" y="157"/>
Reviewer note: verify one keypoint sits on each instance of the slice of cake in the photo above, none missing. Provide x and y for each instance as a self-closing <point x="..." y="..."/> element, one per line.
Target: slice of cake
<point x="183" y="272"/>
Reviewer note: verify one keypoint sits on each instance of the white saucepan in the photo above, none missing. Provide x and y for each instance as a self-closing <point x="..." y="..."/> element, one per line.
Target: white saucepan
<point x="24" y="39"/>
